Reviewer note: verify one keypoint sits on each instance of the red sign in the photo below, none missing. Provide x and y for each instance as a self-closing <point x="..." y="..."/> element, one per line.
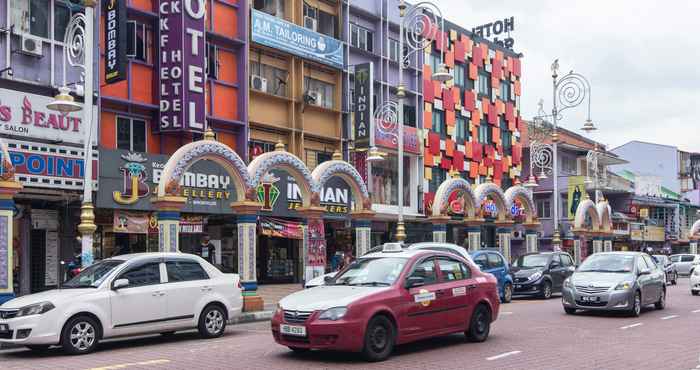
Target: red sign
<point x="386" y="136"/>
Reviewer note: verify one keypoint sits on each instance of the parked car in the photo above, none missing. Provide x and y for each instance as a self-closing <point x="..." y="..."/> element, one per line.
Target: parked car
<point x="664" y="263"/>
<point x="615" y="281"/>
<point x="541" y="274"/>
<point x="444" y="247"/>
<point x="695" y="282"/>
<point x="493" y="262"/>
<point x="685" y="263"/>
<point x="387" y="298"/>
<point x="125" y="295"/>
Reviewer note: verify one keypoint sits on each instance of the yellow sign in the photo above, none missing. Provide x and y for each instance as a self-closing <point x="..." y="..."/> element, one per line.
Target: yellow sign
<point x="577" y="188"/>
<point x="644" y="212"/>
<point x="654" y="234"/>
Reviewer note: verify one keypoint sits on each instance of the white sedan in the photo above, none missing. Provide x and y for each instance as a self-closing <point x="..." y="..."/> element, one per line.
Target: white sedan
<point x="434" y="246"/>
<point x="695" y="282"/>
<point x="125" y="295"/>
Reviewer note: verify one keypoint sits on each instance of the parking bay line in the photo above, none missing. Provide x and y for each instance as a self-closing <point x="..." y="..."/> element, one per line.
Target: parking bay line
<point x="696" y="311"/>
<point x="132" y="364"/>
<point x="502" y="355"/>
<point x="631" y="326"/>
<point x="669" y="317"/>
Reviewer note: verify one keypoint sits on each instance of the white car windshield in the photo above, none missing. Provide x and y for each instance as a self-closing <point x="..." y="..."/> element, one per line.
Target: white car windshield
<point x="607" y="263"/>
<point x="93" y="275"/>
<point x="371" y="272"/>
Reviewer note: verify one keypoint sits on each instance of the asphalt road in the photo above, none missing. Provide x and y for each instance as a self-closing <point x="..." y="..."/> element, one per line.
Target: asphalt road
<point x="530" y="334"/>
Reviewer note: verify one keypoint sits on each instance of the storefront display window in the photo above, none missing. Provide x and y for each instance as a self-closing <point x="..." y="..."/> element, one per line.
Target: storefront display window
<point x="385" y="181"/>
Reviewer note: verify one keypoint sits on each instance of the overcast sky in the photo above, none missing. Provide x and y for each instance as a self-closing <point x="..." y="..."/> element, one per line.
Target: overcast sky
<point x="642" y="58"/>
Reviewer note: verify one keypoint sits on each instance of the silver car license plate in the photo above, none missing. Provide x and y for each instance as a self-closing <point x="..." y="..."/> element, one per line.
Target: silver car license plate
<point x="590" y="299"/>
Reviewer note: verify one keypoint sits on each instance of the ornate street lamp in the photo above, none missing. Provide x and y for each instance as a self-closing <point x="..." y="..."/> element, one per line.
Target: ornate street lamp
<point x="78" y="52"/>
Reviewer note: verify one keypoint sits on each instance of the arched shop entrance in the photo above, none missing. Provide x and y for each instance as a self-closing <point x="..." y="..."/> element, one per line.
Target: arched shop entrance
<point x="592" y="222"/>
<point x="694" y="237"/>
<point x="522" y="210"/>
<point x="8" y="188"/>
<point x="494" y="211"/>
<point x="454" y="197"/>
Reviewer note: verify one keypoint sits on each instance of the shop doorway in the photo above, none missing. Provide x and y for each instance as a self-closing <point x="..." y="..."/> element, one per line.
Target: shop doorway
<point x="37" y="243"/>
<point x="279" y="260"/>
<point x="488" y="236"/>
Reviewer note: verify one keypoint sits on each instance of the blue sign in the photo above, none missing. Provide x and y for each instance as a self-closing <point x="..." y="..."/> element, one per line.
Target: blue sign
<point x="277" y="33"/>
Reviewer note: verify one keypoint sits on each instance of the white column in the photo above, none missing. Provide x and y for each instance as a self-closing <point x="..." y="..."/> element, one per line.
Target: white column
<point x="597" y="244"/>
<point x="439" y="233"/>
<point x="168" y="231"/>
<point x="363" y="235"/>
<point x="607" y="244"/>
<point x="504" y="242"/>
<point x="694" y="247"/>
<point x="6" y="258"/>
<point x="474" y="235"/>
<point x="577" y="250"/>
<point x="531" y="241"/>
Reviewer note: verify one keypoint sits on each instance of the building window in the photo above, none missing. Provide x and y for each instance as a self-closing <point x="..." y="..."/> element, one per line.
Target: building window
<point x="394" y="50"/>
<point x="461" y="131"/>
<point x="322" y="92"/>
<point x="212" y="61"/>
<point x="484" y="133"/>
<point x="439" y="176"/>
<point x="459" y="75"/>
<point x="434" y="61"/>
<point x="505" y="90"/>
<point x="361" y="38"/>
<point x="507" y="141"/>
<point x="314" y="158"/>
<point x="484" y="85"/>
<point x="34" y="17"/>
<point x="319" y="21"/>
<point x="409" y="115"/>
<point x="544" y="208"/>
<point x="568" y="165"/>
<point x="268" y="79"/>
<point x="272" y="7"/>
<point x="131" y="134"/>
<point x="255" y="148"/>
<point x="384" y="180"/>
<point x="138" y="38"/>
<point x="439" y="122"/>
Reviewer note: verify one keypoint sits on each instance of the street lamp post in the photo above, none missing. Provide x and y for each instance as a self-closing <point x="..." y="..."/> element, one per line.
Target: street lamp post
<point x="415" y="35"/>
<point x="78" y="52"/>
<point x="569" y="91"/>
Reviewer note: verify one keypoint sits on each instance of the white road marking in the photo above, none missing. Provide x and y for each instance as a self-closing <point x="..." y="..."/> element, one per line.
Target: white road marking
<point x="132" y="364"/>
<point x="696" y="311"/>
<point x="506" y="313"/>
<point x="502" y="355"/>
<point x="669" y="317"/>
<point x="631" y="326"/>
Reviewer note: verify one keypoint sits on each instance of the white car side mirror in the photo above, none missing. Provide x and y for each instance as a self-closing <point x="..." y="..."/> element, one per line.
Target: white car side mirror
<point x="120" y="283"/>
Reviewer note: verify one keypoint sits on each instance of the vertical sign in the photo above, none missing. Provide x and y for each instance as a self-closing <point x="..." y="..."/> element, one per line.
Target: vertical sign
<point x="364" y="103"/>
<point x="181" y="65"/>
<point x="115" y="41"/>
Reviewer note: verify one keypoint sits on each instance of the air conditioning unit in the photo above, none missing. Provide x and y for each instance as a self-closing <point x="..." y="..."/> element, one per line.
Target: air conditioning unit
<point x="32" y="45"/>
<point x="258" y="83"/>
<point x="318" y="98"/>
<point x="310" y="23"/>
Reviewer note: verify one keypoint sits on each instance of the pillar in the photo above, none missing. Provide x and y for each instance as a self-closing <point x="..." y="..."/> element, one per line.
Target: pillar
<point x="363" y="236"/>
<point x="7" y="207"/>
<point x="607" y="244"/>
<point x="169" y="208"/>
<point x="531" y="240"/>
<point x="439" y="228"/>
<point x="504" y="234"/>
<point x="474" y="236"/>
<point x="597" y="244"/>
<point x="577" y="250"/>
<point x="693" y="246"/>
<point x="247" y="221"/>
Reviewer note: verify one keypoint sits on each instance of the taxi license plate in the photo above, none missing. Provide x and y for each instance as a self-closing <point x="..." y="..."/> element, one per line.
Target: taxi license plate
<point x="4" y="328"/>
<point x="590" y="299"/>
<point x="297" y="331"/>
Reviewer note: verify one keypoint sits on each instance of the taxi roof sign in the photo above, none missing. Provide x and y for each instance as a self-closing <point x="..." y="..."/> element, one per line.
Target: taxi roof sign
<point x="392" y="247"/>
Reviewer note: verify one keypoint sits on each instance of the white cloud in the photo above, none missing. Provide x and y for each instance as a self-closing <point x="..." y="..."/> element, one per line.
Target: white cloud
<point x="641" y="57"/>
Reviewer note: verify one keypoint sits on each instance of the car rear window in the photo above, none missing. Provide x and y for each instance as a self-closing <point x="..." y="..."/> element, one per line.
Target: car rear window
<point x="687" y="258"/>
<point x="185" y="271"/>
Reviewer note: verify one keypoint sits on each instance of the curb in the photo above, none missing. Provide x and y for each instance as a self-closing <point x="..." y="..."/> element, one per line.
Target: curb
<point x="247" y="317"/>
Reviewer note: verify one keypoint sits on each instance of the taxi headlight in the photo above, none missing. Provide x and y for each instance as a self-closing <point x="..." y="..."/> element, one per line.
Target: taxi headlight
<point x="625" y="285"/>
<point x="333" y="314"/>
<point x="35" y="309"/>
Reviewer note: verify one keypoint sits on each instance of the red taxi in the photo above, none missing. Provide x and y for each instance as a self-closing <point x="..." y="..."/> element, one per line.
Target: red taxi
<point x="388" y="298"/>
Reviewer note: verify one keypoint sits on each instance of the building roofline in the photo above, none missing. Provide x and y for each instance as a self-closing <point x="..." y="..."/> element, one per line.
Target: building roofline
<point x="643" y="142"/>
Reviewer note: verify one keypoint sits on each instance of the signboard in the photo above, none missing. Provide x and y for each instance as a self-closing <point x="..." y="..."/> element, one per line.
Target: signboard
<point x="115" y="40"/>
<point x="648" y="185"/>
<point x="364" y="103"/>
<point x="695" y="170"/>
<point x="131" y="222"/>
<point x="315" y="256"/>
<point x="497" y="28"/>
<point x="388" y="137"/>
<point x="51" y="259"/>
<point x="25" y="116"/>
<point x="128" y="180"/>
<point x="577" y="188"/>
<point x="281" y="196"/>
<point x="654" y="234"/>
<point x="279" y="34"/>
<point x="636" y="231"/>
<point x="281" y="228"/>
<point x="181" y="65"/>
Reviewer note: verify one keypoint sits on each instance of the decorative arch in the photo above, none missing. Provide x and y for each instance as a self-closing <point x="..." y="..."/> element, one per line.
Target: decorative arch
<point x="605" y="216"/>
<point x="283" y="160"/>
<point x="490" y="189"/>
<point x="695" y="229"/>
<point x="586" y="208"/>
<point x="519" y="192"/>
<point x="326" y="170"/>
<point x="446" y="189"/>
<point x="208" y="149"/>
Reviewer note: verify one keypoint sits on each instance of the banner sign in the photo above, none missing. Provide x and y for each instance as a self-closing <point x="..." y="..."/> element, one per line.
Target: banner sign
<point x="387" y="136"/>
<point x="128" y="180"/>
<point x="315" y="261"/>
<point x="281" y="228"/>
<point x="181" y="65"/>
<point x="281" y="196"/>
<point x="364" y="103"/>
<point x="131" y="222"/>
<point x="279" y="34"/>
<point x="115" y="41"/>
<point x="26" y="116"/>
<point x="577" y="188"/>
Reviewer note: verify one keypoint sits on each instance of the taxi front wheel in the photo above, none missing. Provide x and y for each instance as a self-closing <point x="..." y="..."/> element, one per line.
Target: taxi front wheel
<point x="379" y="339"/>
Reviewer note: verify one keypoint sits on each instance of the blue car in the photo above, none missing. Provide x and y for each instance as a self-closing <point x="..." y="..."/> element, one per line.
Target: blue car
<point x="493" y="262"/>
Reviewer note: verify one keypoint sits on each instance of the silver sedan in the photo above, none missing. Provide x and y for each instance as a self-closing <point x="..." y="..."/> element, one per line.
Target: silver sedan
<point x="615" y="281"/>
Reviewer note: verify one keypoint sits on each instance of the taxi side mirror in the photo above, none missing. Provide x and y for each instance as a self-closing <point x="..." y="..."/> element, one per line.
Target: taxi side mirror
<point x="414" y="281"/>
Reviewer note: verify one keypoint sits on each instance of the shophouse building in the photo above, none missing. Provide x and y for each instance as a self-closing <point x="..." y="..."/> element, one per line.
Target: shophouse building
<point x="45" y="147"/>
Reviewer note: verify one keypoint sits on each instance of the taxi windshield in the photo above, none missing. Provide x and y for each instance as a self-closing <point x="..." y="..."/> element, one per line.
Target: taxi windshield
<point x="371" y="272"/>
